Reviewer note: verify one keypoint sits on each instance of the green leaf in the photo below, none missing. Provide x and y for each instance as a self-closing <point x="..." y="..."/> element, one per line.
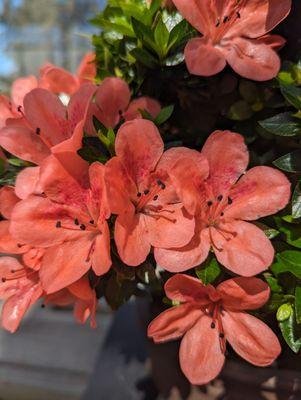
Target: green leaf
<point x="282" y="125"/>
<point x="292" y="95"/>
<point x="288" y="261"/>
<point x="161" y="36"/>
<point x="240" y="111"/>
<point x="288" y="328"/>
<point x="273" y="283"/>
<point x="284" y="312"/>
<point x="291" y="231"/>
<point x="164" y="115"/>
<point x="144" y="57"/>
<point x="298" y="303"/>
<point x="2" y="166"/>
<point x="249" y="91"/>
<point x="290" y="162"/>
<point x="141" y="30"/>
<point x="177" y="33"/>
<point x="209" y="271"/>
<point x="296" y="201"/>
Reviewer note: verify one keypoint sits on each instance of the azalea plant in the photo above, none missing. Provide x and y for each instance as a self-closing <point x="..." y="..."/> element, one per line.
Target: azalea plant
<point x="163" y="168"/>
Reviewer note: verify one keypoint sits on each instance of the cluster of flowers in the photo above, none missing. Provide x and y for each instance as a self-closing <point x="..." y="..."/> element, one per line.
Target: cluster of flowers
<point x="63" y="216"/>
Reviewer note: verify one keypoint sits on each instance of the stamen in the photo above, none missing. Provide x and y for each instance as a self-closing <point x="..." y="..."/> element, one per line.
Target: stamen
<point x="220" y="197"/>
<point x="230" y="201"/>
<point x="3" y="280"/>
<point x="19" y="109"/>
<point x="160" y="183"/>
<point x="58" y="224"/>
<point x="209" y="203"/>
<point x="146" y="192"/>
<point x="222" y="335"/>
<point x="222" y="214"/>
<point x="19" y="245"/>
<point x="156" y="197"/>
<point x="38" y="131"/>
<point x="238" y="14"/>
<point x="139" y="194"/>
<point x="217" y="23"/>
<point x="76" y="221"/>
<point x="212" y="325"/>
<point x="83" y="227"/>
<point x="91" y="221"/>
<point x="226" y="19"/>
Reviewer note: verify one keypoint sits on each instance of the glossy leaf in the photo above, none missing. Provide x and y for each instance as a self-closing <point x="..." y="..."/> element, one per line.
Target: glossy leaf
<point x="282" y="125"/>
<point x="298" y="303"/>
<point x="292" y="95"/>
<point x="288" y="329"/>
<point x="209" y="271"/>
<point x="164" y="115"/>
<point x="290" y="162"/>
<point x="288" y="261"/>
<point x="296" y="202"/>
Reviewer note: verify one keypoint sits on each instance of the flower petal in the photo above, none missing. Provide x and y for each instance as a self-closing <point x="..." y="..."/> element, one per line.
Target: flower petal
<point x="251" y="338"/>
<point x="27" y="182"/>
<point x="21" y="87"/>
<point x="101" y="258"/>
<point x="260" y="192"/>
<point x="185" y="288"/>
<point x="131" y="238"/>
<point x="8" y="244"/>
<point x="244" y="293"/>
<point x="8" y="200"/>
<point x="23" y="143"/>
<point x="184" y="258"/>
<point x="198" y="13"/>
<point x="58" y="80"/>
<point x="252" y="59"/>
<point x="139" y="146"/>
<point x="201" y="358"/>
<point x="78" y="106"/>
<point x="173" y="323"/>
<point x="228" y="158"/>
<point x="86" y="71"/>
<point x="66" y="263"/>
<point x="202" y="58"/>
<point x="248" y="253"/>
<point x="145" y="103"/>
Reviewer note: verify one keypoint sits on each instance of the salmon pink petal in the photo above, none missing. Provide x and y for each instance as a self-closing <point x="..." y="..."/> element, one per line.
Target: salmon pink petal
<point x="112" y="99"/>
<point x="34" y="221"/>
<point x="8" y="200"/>
<point x="131" y="238"/>
<point x="82" y="289"/>
<point x="45" y="112"/>
<point x="251" y="59"/>
<point x="23" y="143"/>
<point x="16" y="306"/>
<point x="65" y="264"/>
<point x="62" y="298"/>
<point x="228" y="158"/>
<point x="260" y="192"/>
<point x="27" y="182"/>
<point x="79" y="103"/>
<point x="201" y="358"/>
<point x="139" y="146"/>
<point x="99" y="206"/>
<point x="8" y="244"/>
<point x="171" y="156"/>
<point x="86" y="71"/>
<point x="83" y="310"/>
<point x="8" y="264"/>
<point x="244" y="293"/>
<point x="6" y="110"/>
<point x="202" y="58"/>
<point x="184" y="258"/>
<point x="197" y="13"/>
<point x="101" y="258"/>
<point x="173" y="228"/>
<point x="148" y="104"/>
<point x="257" y="17"/>
<point x="32" y="258"/>
<point x="247" y="253"/>
<point x="173" y="323"/>
<point x="185" y="288"/>
<point x="251" y="338"/>
<point x="74" y="143"/>
<point x="21" y="87"/>
<point x="276" y="42"/>
<point x="58" y="80"/>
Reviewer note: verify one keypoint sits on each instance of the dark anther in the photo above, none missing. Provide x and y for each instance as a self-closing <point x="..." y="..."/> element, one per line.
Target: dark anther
<point x="212" y="325"/>
<point x="38" y="131"/>
<point x="19" y="245"/>
<point x="217" y="23"/>
<point x="238" y="14"/>
<point x="43" y="305"/>
<point x="222" y="214"/>
<point x="222" y="335"/>
<point x="160" y="183"/>
<point x="92" y="221"/>
<point x="209" y="203"/>
<point x="13" y="271"/>
<point x="220" y="197"/>
<point x="58" y="224"/>
<point x="3" y="280"/>
<point x="83" y="227"/>
<point x="230" y="201"/>
<point x="156" y="197"/>
<point x="139" y="194"/>
<point x="225" y="19"/>
<point x="76" y="221"/>
<point x="19" y="108"/>
<point x="146" y="192"/>
<point x="120" y="112"/>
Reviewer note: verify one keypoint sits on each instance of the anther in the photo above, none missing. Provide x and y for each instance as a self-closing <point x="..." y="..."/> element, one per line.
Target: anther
<point x="222" y="335"/>
<point x="222" y="214"/>
<point x="212" y="325"/>
<point x="13" y="271"/>
<point x="238" y="14"/>
<point x="139" y="194"/>
<point x="230" y="201"/>
<point x="3" y="280"/>
<point x="76" y="221"/>
<point x="160" y="183"/>
<point x="91" y="221"/>
<point x="19" y="245"/>
<point x="19" y="108"/>
<point x="83" y="227"/>
<point x="38" y="131"/>
<point x="58" y="224"/>
<point x="120" y="112"/>
<point x="220" y="197"/>
<point x="146" y="192"/>
<point x="209" y="203"/>
<point x="156" y="197"/>
<point x="226" y="19"/>
<point x="217" y="23"/>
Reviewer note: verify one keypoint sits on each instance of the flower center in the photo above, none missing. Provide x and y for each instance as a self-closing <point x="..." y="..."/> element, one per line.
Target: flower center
<point x="215" y="312"/>
<point x="224" y="21"/>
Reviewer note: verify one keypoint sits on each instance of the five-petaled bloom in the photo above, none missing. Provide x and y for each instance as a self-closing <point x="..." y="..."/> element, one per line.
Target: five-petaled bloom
<point x="208" y="317"/>
<point x="221" y="204"/>
<point x="234" y="32"/>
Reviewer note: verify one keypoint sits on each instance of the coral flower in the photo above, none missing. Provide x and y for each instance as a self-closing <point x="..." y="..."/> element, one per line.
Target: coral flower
<point x="234" y="32"/>
<point x="46" y="127"/>
<point x="141" y="194"/>
<point x="207" y="318"/>
<point x="113" y="103"/>
<point x="69" y="221"/>
<point x="222" y="204"/>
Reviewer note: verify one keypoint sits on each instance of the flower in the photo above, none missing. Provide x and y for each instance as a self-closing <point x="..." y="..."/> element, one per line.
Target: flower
<point x="208" y="317"/>
<point x="221" y="204"/>
<point x="113" y="103"/>
<point x="46" y="126"/>
<point x="150" y="213"/>
<point x="234" y="32"/>
<point x="68" y="221"/>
